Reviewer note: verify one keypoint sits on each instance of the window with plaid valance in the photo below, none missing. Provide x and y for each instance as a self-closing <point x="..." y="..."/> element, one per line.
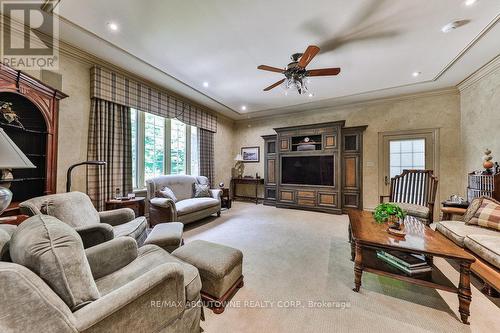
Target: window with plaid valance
<point x="109" y="86"/>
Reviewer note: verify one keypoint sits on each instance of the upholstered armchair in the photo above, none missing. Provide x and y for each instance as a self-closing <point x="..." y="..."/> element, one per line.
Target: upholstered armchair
<point x="185" y="207"/>
<point x="76" y="210"/>
<point x="57" y="286"/>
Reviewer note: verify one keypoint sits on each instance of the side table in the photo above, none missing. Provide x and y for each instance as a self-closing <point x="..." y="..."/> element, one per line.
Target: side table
<point x="14" y="219"/>
<point x="225" y="198"/>
<point x="137" y="204"/>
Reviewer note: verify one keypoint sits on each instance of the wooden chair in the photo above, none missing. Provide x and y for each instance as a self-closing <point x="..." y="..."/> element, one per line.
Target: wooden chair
<point x="414" y="187"/>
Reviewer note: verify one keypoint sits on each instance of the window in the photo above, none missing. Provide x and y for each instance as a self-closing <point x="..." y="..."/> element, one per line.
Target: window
<point x="177" y="147"/>
<point x="162" y="146"/>
<point x="406" y="154"/>
<point x="154" y="145"/>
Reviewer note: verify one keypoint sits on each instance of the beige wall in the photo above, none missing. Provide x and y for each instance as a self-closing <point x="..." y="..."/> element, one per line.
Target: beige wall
<point x="438" y="110"/>
<point x="480" y="106"/>
<point x="223" y="160"/>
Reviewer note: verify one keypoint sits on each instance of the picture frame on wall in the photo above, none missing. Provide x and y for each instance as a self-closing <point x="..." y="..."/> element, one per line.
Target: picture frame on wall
<point x="250" y="154"/>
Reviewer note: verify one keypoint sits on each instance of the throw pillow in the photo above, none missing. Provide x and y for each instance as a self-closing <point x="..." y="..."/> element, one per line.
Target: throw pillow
<point x="472" y="209"/>
<point x="488" y="214"/>
<point x="54" y="251"/>
<point x="201" y="191"/>
<point x="167" y="192"/>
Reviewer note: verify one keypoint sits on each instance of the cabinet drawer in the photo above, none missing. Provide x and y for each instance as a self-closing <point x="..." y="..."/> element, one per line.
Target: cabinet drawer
<point x="327" y="199"/>
<point x="287" y="196"/>
<point x="306" y="194"/>
<point x="306" y="202"/>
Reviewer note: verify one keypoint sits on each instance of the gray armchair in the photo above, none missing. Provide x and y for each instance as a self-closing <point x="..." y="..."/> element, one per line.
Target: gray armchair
<point x="186" y="208"/>
<point x="111" y="287"/>
<point x="76" y="210"/>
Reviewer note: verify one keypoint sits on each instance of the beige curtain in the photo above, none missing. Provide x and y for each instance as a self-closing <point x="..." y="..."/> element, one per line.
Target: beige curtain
<point x="110" y="140"/>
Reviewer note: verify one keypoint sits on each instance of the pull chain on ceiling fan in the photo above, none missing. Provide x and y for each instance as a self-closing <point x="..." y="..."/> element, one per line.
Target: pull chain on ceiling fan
<point x="296" y="73"/>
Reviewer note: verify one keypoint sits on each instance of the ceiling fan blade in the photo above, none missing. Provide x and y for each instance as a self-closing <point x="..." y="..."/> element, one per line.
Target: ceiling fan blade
<point x="274" y="85"/>
<point x="323" y="71"/>
<point x="271" y="69"/>
<point x="308" y="55"/>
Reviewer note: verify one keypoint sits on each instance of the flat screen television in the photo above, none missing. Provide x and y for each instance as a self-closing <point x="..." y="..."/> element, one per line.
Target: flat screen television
<point x="307" y="170"/>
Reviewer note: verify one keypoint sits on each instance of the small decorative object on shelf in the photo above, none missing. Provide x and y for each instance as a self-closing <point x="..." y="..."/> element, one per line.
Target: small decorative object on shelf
<point x="118" y="196"/>
<point x="392" y="213"/>
<point x="487" y="163"/>
<point x="9" y="115"/>
<point x="131" y="195"/>
<point x="221" y="185"/>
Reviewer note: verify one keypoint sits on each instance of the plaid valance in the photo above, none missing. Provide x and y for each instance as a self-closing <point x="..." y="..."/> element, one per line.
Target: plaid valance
<point x="117" y="88"/>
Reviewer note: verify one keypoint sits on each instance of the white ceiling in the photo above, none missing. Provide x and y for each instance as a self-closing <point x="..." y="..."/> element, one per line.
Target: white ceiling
<point x="182" y="43"/>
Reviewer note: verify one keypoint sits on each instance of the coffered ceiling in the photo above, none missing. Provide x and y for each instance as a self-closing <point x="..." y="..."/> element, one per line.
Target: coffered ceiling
<point x="209" y="50"/>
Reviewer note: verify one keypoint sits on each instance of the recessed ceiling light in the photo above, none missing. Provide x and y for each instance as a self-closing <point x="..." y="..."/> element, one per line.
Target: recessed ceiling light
<point x="113" y="26"/>
<point x="310" y="95"/>
<point x="243" y="108"/>
<point x="415" y="74"/>
<point x="205" y="84"/>
<point x="470" y="2"/>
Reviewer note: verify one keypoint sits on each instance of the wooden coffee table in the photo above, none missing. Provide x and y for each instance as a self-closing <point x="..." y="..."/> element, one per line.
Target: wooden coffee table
<point x="367" y="237"/>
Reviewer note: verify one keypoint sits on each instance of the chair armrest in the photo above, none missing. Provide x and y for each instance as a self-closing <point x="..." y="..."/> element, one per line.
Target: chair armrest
<point x="117" y="216"/>
<point x="216" y="193"/>
<point x="382" y="198"/>
<point x="110" y="256"/>
<point x="157" y="297"/>
<point x="94" y="234"/>
<point x="163" y="203"/>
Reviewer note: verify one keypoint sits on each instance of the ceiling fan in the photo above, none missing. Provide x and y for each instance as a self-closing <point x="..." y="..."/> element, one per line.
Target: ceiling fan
<point x="296" y="73"/>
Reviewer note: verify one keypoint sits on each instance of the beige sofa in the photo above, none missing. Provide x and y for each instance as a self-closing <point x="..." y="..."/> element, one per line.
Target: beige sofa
<point x="481" y="242"/>
<point x="187" y="208"/>
<point x="57" y="286"/>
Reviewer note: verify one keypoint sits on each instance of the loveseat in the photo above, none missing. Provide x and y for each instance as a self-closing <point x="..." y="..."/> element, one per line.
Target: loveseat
<point x="51" y="284"/>
<point x="186" y="207"/>
<point x="481" y="241"/>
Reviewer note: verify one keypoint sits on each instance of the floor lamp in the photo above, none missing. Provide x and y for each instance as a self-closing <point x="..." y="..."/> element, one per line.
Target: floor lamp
<point x="11" y="157"/>
<point x="68" y="174"/>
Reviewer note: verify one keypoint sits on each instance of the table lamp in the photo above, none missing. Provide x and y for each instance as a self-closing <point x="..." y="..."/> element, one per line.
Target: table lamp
<point x="11" y="157"/>
<point x="239" y="166"/>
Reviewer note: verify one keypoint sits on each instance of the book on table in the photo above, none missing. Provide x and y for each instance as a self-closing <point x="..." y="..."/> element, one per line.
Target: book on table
<point x="406" y="262"/>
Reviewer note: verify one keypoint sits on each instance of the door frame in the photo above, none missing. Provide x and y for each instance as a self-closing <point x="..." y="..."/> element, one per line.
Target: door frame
<point x="433" y="132"/>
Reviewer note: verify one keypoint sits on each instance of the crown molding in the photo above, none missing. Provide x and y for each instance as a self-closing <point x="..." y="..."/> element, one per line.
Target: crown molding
<point x="351" y="105"/>
<point x="481" y="73"/>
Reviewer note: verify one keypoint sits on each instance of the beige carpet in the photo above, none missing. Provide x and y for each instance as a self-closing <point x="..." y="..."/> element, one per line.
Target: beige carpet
<point x="293" y="257"/>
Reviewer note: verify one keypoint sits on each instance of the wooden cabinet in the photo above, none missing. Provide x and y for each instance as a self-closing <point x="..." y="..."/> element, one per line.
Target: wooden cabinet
<point x="337" y="183"/>
<point x="352" y="140"/>
<point x="270" y="165"/>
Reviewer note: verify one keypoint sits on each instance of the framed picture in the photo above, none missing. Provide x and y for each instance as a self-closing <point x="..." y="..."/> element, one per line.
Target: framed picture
<point x="250" y="154"/>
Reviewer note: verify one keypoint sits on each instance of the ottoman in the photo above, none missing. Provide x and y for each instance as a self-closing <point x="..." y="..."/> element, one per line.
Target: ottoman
<point x="220" y="269"/>
<point x="168" y="236"/>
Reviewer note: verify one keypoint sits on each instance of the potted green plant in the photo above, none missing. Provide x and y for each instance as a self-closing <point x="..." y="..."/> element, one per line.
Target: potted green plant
<point x="389" y="212"/>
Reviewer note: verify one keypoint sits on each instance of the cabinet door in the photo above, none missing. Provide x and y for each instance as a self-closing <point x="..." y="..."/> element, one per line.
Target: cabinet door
<point x="330" y="141"/>
<point x="271" y="171"/>
<point x="351" y="172"/>
<point x="284" y="144"/>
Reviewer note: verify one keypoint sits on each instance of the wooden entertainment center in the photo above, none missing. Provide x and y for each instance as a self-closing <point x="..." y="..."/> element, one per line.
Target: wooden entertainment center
<point x="314" y="167"/>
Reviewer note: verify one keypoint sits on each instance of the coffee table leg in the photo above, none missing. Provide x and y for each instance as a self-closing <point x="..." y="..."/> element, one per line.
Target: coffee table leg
<point x="464" y="293"/>
<point x="358" y="268"/>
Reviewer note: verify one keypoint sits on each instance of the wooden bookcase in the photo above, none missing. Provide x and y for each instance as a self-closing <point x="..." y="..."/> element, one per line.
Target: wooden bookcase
<point x="37" y="106"/>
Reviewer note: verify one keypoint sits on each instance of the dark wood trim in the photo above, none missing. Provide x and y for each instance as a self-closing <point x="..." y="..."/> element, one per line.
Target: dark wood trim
<point x="218" y="305"/>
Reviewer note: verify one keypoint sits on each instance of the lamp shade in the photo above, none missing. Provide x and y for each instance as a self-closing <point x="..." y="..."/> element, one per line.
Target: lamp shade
<point x="11" y="157"/>
<point x="238" y="157"/>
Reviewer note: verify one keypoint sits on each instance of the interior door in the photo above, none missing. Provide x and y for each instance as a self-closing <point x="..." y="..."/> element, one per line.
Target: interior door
<point x="405" y="150"/>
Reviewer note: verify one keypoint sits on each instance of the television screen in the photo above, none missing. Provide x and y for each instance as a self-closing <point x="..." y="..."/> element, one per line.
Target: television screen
<point x="307" y="170"/>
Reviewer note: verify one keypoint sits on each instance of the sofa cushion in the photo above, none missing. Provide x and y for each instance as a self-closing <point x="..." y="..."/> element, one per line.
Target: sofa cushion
<point x="486" y="247"/>
<point x="487" y="215"/>
<point x="166" y="192"/>
<point x="414" y="210"/>
<point x="133" y="228"/>
<point x="181" y="185"/>
<point x="54" y="251"/>
<point x="73" y="208"/>
<point x="202" y="191"/>
<point x="458" y="230"/>
<point x="472" y="209"/>
<point x="149" y="257"/>
<point x="195" y="204"/>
